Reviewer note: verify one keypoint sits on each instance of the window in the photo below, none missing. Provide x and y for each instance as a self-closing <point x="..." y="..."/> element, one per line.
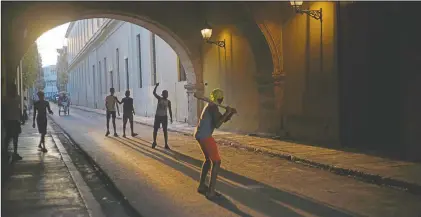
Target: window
<point x="82" y="27"/>
<point x="97" y="23"/>
<point x="153" y="59"/>
<point x="126" y="61"/>
<point x="100" y="78"/>
<point x="112" y="78"/>
<point x="139" y="57"/>
<point x="86" y="30"/>
<point x="117" y="54"/>
<point x="92" y="26"/>
<point x="79" y="34"/>
<point x="87" y="73"/>
<point x="106" y="73"/>
<point x="93" y="80"/>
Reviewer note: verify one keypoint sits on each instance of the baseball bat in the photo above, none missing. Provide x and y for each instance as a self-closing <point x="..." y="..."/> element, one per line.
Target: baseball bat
<point x="205" y="99"/>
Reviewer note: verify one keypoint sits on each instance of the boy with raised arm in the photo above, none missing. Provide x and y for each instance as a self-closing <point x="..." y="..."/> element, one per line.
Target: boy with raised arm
<point x="161" y="116"/>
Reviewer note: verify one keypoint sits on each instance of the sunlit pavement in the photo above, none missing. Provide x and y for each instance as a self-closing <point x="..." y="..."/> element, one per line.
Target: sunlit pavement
<point x="40" y="184"/>
<point x="163" y="183"/>
<point x="386" y="170"/>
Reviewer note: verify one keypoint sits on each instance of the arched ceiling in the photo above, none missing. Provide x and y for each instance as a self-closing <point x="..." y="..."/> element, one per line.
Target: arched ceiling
<point x="178" y="23"/>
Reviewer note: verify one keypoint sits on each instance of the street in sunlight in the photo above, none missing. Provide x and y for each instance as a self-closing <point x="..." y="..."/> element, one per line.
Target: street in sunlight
<point x="163" y="183"/>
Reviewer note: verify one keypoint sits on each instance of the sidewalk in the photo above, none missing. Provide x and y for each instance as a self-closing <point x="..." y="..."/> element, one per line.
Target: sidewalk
<point x="40" y="184"/>
<point x="369" y="168"/>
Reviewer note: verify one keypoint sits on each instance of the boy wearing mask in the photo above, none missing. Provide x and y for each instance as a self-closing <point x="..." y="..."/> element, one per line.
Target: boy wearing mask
<point x="211" y="119"/>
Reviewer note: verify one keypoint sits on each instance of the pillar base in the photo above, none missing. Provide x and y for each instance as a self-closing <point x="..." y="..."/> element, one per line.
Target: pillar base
<point x="194" y="105"/>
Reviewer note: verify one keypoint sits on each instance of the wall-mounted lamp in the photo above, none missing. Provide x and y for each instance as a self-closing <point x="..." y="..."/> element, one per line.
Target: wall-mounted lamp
<point x="316" y="14"/>
<point x="207" y="33"/>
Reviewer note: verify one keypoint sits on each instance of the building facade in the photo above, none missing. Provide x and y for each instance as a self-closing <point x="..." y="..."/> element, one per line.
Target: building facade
<point x="50" y="78"/>
<point x="62" y="65"/>
<point x="105" y="53"/>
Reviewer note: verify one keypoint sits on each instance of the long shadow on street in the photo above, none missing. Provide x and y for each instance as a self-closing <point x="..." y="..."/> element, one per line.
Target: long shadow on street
<point x="266" y="199"/>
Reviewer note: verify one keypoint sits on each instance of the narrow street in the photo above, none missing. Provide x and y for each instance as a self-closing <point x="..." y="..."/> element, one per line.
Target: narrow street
<point x="163" y="183"/>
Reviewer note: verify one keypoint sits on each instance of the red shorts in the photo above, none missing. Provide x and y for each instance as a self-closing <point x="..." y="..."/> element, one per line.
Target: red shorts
<point x="210" y="149"/>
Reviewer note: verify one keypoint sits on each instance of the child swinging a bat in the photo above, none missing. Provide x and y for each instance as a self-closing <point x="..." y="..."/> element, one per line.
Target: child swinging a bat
<point x="210" y="119"/>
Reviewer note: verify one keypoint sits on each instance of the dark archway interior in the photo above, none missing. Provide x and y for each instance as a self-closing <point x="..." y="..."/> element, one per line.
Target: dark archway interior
<point x="379" y="63"/>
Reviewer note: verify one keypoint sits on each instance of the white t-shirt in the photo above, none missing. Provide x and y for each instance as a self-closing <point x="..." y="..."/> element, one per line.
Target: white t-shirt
<point x="110" y="102"/>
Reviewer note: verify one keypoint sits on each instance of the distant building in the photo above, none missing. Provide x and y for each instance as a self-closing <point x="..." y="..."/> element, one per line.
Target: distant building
<point x="105" y="53"/>
<point x="50" y="78"/>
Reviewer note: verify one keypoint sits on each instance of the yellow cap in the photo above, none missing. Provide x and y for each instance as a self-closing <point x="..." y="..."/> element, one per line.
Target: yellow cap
<point x="216" y="94"/>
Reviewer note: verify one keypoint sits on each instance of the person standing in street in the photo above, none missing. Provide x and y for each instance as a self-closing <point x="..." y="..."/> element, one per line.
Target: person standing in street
<point x="210" y="119"/>
<point x="11" y="108"/>
<point x="161" y="116"/>
<point x="128" y="112"/>
<point x="41" y="106"/>
<point x="110" y="105"/>
<point x="25" y="110"/>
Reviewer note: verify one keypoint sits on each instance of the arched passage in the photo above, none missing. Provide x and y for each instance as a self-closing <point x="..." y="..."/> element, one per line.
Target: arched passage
<point x="148" y="15"/>
<point x="178" y="23"/>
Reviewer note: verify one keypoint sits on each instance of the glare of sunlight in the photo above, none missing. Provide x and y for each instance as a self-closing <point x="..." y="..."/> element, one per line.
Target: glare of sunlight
<point x="49" y="42"/>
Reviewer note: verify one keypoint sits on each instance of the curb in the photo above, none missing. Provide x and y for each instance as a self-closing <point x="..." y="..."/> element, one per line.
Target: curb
<point x="98" y="168"/>
<point x="359" y="175"/>
<point x="92" y="206"/>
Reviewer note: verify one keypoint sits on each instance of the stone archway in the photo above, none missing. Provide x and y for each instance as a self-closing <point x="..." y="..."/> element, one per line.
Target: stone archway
<point x="178" y="23"/>
<point x="184" y="41"/>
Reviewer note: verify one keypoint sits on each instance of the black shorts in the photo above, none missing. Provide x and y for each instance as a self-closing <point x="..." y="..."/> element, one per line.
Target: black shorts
<point x="42" y="125"/>
<point x="160" y="120"/>
<point x="127" y="117"/>
<point x="12" y="128"/>
<point x="111" y="114"/>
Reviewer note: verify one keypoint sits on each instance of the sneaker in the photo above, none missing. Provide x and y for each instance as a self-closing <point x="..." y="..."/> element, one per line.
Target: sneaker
<point x="44" y="150"/>
<point x="134" y="134"/>
<point x="203" y="190"/>
<point x="16" y="157"/>
<point x="154" y="145"/>
<point x="167" y="147"/>
<point x="108" y="133"/>
<point x="124" y="135"/>
<point x="214" y="196"/>
<point x="115" y="135"/>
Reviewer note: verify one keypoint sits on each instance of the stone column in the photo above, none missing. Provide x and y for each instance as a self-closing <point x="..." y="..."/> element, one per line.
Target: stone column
<point x="21" y="86"/>
<point x="194" y="105"/>
<point x="17" y="78"/>
<point x="279" y="88"/>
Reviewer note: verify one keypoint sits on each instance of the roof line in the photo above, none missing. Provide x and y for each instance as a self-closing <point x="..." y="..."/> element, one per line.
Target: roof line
<point x="69" y="28"/>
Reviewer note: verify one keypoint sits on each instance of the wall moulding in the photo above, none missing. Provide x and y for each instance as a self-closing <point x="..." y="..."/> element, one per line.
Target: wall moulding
<point x="278" y="78"/>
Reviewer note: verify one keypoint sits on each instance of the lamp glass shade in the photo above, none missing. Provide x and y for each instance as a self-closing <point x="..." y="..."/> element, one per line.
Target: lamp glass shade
<point x="206" y="33"/>
<point x="296" y="3"/>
